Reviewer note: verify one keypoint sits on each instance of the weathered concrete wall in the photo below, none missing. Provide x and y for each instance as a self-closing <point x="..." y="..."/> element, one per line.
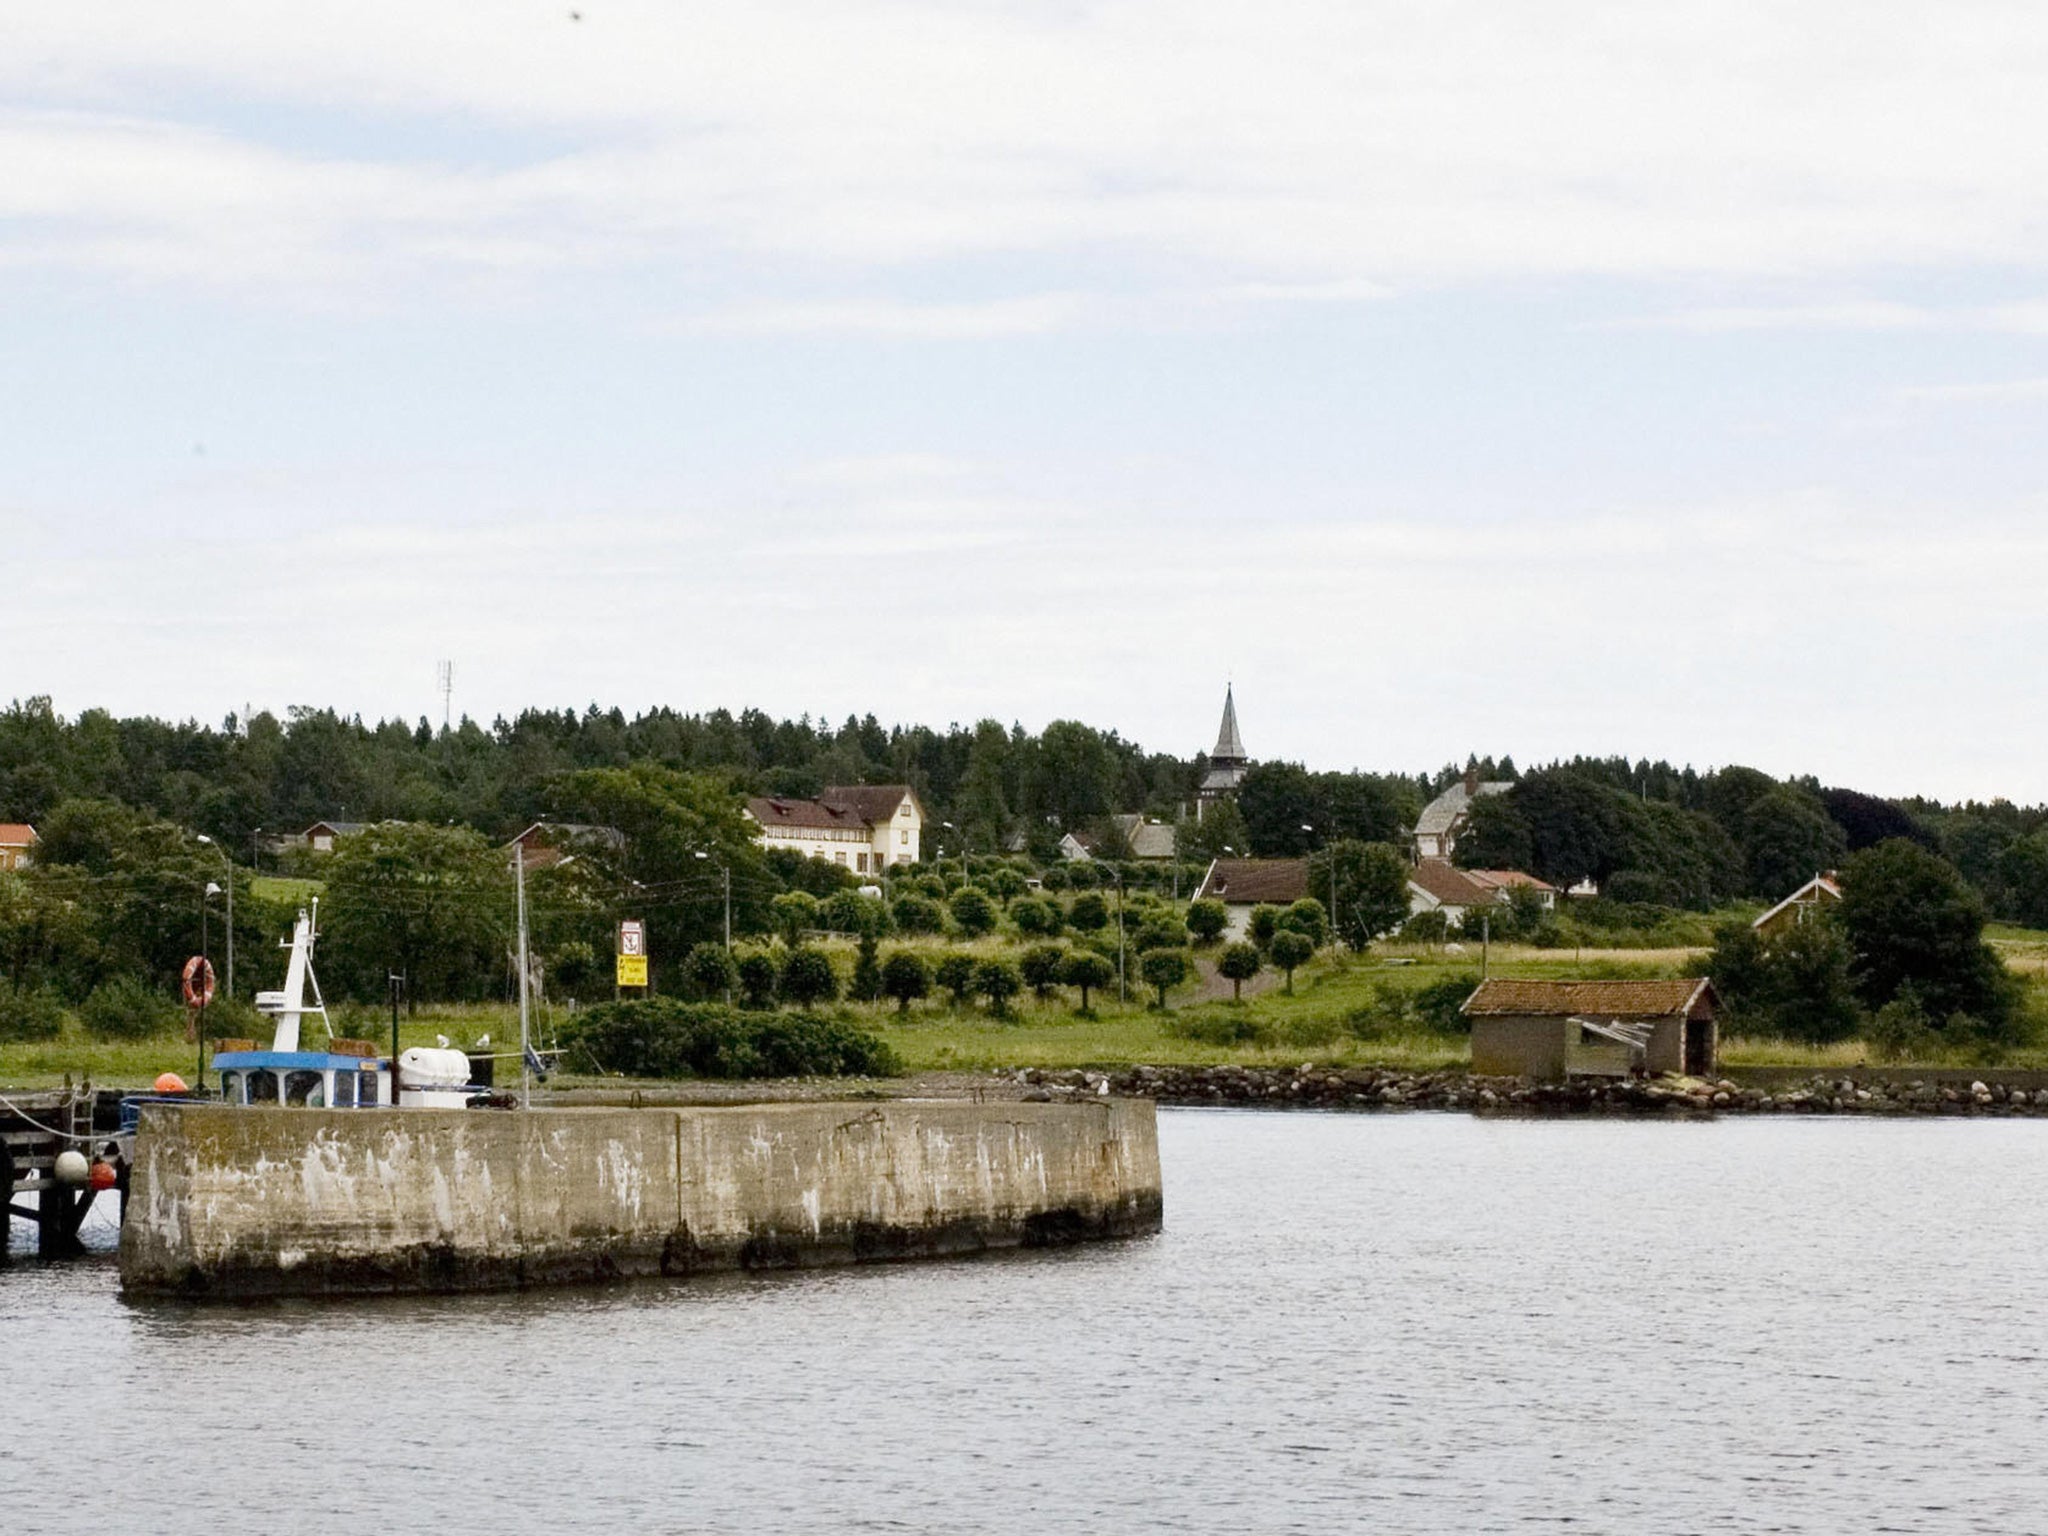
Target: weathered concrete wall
<point x="240" y="1202"/>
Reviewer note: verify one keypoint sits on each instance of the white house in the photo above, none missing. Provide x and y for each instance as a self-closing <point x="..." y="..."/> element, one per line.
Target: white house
<point x="865" y="827"/>
<point x="1242" y="884"/>
<point x="1801" y="906"/>
<point x="1437" y="829"/>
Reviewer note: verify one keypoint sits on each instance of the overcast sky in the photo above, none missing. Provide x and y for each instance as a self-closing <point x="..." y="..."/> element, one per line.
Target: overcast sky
<point x="1658" y="379"/>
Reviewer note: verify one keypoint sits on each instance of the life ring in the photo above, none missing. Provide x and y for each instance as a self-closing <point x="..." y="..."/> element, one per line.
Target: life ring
<point x="197" y="982"/>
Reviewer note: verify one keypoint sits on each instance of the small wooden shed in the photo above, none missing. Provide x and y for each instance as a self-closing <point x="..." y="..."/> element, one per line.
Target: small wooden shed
<point x="1558" y="1029"/>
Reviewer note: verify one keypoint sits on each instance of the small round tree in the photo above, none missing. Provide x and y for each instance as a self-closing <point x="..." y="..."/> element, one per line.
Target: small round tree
<point x="1263" y="924"/>
<point x="851" y="912"/>
<point x="973" y="913"/>
<point x="1089" y="913"/>
<point x="710" y="971"/>
<point x="917" y="914"/>
<point x="1040" y="965"/>
<point x="1207" y="919"/>
<point x="906" y="978"/>
<point x="758" y="975"/>
<point x="1161" y="930"/>
<point x="1005" y="882"/>
<point x="955" y="972"/>
<point x="1085" y="970"/>
<point x="1308" y="916"/>
<point x="998" y="980"/>
<point x="794" y="911"/>
<point x="808" y="978"/>
<point x="1036" y="917"/>
<point x="1238" y="964"/>
<point x="1164" y="968"/>
<point x="866" y="985"/>
<point x="1292" y="947"/>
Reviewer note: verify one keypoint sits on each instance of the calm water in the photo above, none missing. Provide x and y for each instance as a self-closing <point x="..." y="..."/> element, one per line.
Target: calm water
<point x="1409" y="1323"/>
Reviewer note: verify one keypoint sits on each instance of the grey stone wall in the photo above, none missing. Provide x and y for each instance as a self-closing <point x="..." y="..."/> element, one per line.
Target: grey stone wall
<point x="234" y="1202"/>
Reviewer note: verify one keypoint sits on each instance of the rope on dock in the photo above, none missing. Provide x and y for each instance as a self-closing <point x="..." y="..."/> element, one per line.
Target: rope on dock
<point x="47" y="1129"/>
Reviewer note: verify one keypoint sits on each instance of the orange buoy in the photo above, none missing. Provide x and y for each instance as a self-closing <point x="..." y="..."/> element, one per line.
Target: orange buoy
<point x="170" y="1082"/>
<point x="103" y="1175"/>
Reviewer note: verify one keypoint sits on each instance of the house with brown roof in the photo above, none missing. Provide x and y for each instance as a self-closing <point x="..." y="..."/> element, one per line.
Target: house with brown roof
<point x="17" y="844"/>
<point x="322" y="835"/>
<point x="1557" y="1029"/>
<point x="864" y="827"/>
<point x="1437" y="885"/>
<point x="548" y="843"/>
<point x="1241" y="884"/>
<point x="1802" y="906"/>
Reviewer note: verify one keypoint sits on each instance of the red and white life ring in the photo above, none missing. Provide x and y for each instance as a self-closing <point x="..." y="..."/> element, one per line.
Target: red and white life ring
<point x="197" y="982"/>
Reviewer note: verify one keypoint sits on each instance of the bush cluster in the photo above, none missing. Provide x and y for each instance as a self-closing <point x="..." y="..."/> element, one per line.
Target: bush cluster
<point x="666" y="1037"/>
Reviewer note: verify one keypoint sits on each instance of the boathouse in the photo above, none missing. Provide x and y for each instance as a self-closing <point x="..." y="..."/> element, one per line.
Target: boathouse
<point x="1557" y="1029"/>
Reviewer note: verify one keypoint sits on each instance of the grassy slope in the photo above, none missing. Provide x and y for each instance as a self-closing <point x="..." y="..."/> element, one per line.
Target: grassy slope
<point x="1306" y="1026"/>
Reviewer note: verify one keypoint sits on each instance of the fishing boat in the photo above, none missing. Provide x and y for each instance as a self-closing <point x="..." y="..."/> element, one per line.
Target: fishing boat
<point x="338" y="1073"/>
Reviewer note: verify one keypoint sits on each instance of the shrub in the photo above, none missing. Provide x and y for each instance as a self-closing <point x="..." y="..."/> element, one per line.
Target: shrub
<point x="574" y="969"/>
<point x="1291" y="948"/>
<point x="30" y="1015"/>
<point x="1005" y="883"/>
<point x="851" y="912"/>
<point x="1089" y="912"/>
<point x="955" y="972"/>
<point x="1165" y="968"/>
<point x="1085" y="970"/>
<point x="1036" y="917"/>
<point x="1238" y="964"/>
<point x="932" y="887"/>
<point x="794" y="911"/>
<point x="998" y="980"/>
<point x="1041" y="965"/>
<point x="710" y="972"/>
<point x="1054" y="878"/>
<point x="665" y="1037"/>
<point x="1207" y="919"/>
<point x="1438" y="1006"/>
<point x="807" y="977"/>
<point x="1900" y="1031"/>
<point x="125" y="1009"/>
<point x="1430" y="927"/>
<point x="1219" y="1027"/>
<point x="918" y="914"/>
<point x="866" y="985"/>
<point x="906" y="978"/>
<point x="758" y="975"/>
<point x="1263" y="924"/>
<point x="973" y="913"/>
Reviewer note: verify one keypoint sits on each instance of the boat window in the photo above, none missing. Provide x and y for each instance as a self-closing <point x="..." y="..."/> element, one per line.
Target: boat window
<point x="366" y="1088"/>
<point x="304" y="1088"/>
<point x="231" y="1087"/>
<point x="344" y="1090"/>
<point x="262" y="1086"/>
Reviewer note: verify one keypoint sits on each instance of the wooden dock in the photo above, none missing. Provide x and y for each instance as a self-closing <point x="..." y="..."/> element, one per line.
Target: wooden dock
<point x="34" y="1129"/>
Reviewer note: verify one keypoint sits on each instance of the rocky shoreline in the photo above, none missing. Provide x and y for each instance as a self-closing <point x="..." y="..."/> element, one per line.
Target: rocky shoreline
<point x="1369" y="1088"/>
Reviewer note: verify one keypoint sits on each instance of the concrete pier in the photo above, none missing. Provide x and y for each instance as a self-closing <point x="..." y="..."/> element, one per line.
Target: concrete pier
<point x="240" y="1202"/>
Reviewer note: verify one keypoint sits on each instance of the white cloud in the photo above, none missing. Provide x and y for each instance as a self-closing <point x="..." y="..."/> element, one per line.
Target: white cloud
<point x="1028" y="315"/>
<point x="1331" y="145"/>
<point x="1994" y="392"/>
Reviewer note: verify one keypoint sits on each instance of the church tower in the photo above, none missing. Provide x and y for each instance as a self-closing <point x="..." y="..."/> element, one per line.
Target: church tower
<point x="1227" y="760"/>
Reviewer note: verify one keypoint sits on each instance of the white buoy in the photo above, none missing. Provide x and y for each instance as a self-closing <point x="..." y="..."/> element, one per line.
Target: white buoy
<point x="71" y="1166"/>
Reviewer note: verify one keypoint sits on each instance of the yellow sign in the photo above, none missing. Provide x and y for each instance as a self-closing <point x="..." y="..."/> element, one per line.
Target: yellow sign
<point x="632" y="970"/>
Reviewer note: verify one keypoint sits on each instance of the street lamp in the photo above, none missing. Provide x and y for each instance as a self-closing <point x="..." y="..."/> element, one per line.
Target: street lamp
<point x="965" y="876"/>
<point x="1333" y="884"/>
<point x="726" y="873"/>
<point x="230" y="863"/>
<point x="1116" y="874"/>
<point x="199" y="1025"/>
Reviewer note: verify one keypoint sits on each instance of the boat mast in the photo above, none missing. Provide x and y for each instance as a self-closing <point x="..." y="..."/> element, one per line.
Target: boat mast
<point x="525" y="1051"/>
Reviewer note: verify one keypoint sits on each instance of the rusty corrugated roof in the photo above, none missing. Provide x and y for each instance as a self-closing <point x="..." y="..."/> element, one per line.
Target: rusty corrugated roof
<point x="1610" y="999"/>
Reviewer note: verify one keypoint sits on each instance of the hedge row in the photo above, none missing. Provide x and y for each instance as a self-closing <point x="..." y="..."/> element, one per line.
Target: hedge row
<point x="667" y="1037"/>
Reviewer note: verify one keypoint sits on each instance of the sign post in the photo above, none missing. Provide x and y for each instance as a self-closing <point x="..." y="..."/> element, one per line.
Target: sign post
<point x="632" y="959"/>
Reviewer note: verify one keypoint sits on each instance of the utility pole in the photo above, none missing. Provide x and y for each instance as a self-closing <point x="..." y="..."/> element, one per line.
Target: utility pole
<point x="1485" y="944"/>
<point x="1122" y="994"/>
<point x="525" y="1050"/>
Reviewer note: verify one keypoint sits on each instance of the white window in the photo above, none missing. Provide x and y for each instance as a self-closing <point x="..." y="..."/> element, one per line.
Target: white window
<point x="904" y="837"/>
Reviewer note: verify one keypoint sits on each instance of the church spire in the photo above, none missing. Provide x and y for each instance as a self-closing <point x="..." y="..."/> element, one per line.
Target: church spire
<point x="1229" y="745"/>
